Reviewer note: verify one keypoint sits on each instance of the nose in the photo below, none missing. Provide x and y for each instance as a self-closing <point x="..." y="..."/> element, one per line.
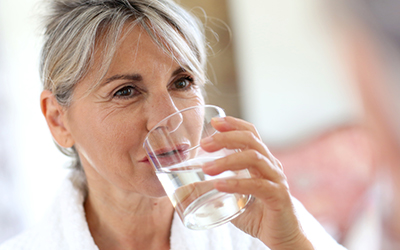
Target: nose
<point x="161" y="107"/>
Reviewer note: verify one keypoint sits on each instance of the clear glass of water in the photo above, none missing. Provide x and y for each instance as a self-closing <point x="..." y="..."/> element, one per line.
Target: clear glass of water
<point x="173" y="147"/>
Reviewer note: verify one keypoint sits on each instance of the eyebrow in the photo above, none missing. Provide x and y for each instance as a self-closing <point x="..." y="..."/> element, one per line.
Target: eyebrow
<point x="132" y="77"/>
<point x="178" y="71"/>
<point x="136" y="77"/>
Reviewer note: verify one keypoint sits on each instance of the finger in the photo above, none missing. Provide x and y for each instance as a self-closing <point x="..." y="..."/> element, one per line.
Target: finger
<point x="225" y="124"/>
<point x="230" y="123"/>
<point x="271" y="192"/>
<point x="242" y="140"/>
<point x="258" y="165"/>
<point x="232" y="140"/>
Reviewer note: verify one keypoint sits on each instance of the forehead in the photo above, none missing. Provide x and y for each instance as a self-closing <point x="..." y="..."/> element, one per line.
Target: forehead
<point x="134" y="43"/>
<point x="133" y="50"/>
<point x="137" y="50"/>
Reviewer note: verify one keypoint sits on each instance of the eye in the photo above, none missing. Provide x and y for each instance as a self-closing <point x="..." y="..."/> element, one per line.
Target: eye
<point x="183" y="83"/>
<point x="126" y="92"/>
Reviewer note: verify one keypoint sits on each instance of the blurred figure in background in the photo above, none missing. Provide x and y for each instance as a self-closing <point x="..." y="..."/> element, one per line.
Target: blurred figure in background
<point x="370" y="34"/>
<point x="349" y="177"/>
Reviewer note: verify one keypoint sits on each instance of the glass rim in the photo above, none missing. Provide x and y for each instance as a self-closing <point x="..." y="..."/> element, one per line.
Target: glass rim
<point x="220" y="110"/>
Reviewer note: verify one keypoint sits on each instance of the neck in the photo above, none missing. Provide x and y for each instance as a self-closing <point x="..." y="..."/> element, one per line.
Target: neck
<point x="129" y="221"/>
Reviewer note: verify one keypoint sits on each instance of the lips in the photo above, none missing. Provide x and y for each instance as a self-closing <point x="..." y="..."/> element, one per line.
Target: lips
<point x="169" y="156"/>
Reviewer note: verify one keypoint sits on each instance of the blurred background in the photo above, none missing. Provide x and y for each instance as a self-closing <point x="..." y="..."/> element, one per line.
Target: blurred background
<point x="277" y="64"/>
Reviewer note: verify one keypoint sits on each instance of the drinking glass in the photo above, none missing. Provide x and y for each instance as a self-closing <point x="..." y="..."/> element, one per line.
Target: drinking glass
<point x="173" y="148"/>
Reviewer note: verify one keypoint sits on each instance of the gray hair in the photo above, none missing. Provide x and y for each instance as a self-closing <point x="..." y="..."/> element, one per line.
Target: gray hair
<point x="73" y="29"/>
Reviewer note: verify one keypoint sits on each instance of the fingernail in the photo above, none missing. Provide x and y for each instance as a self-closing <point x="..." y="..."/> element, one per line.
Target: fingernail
<point x="207" y="140"/>
<point x="222" y="122"/>
<point x="219" y="119"/>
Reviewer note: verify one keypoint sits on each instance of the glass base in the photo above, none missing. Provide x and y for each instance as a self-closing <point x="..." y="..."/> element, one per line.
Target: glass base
<point x="213" y="209"/>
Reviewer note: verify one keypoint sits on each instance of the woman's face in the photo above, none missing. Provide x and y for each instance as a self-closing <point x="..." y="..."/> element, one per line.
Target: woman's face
<point x="142" y="86"/>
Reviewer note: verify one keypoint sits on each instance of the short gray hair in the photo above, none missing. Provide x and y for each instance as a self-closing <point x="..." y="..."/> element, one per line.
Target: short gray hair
<point x="74" y="27"/>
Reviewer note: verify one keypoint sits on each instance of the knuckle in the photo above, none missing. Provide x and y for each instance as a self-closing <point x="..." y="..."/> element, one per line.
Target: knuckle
<point x="284" y="194"/>
<point x="253" y="136"/>
<point x="249" y="137"/>
<point x="258" y="184"/>
<point x="222" y="161"/>
<point x="234" y="183"/>
<point x="279" y="163"/>
<point x="228" y="160"/>
<point x="254" y="155"/>
<point x="252" y="127"/>
<point x="217" y="137"/>
<point x="220" y="139"/>
<point x="249" y="134"/>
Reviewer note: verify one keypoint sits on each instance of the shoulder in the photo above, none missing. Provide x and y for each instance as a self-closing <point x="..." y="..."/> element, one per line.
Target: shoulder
<point x="48" y="233"/>
<point x="63" y="227"/>
<point x="31" y="239"/>
<point x="17" y="243"/>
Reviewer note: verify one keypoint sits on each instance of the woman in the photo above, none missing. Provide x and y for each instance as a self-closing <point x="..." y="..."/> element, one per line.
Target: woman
<point x="111" y="70"/>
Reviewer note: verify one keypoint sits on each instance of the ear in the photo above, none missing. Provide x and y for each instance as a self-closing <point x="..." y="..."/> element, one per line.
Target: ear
<point x="54" y="114"/>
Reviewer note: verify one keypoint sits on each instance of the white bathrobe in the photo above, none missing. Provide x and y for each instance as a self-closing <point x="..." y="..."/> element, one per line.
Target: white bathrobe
<point x="65" y="227"/>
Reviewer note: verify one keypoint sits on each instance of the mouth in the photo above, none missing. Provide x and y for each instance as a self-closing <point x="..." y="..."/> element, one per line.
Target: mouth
<point x="168" y="156"/>
<point x="168" y="153"/>
<point x="144" y="159"/>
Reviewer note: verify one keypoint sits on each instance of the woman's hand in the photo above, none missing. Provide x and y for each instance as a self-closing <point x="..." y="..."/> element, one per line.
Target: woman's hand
<point x="271" y="217"/>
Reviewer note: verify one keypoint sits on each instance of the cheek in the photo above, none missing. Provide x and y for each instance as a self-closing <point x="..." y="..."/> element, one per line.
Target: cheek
<point x="193" y="121"/>
<point x="195" y="99"/>
<point x="105" y="137"/>
<point x="195" y="128"/>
